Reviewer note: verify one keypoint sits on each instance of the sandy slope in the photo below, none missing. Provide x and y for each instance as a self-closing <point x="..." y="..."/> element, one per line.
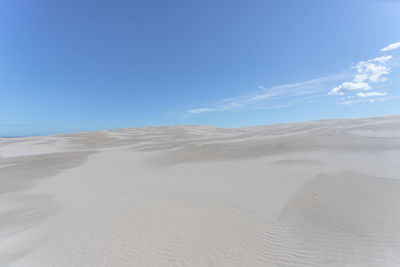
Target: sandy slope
<point x="323" y="193"/>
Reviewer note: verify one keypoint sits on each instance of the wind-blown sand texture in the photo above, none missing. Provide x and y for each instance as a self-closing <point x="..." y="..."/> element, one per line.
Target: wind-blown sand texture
<point x="323" y="193"/>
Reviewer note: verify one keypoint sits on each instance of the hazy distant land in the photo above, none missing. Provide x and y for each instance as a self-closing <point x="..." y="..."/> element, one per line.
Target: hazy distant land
<point x="322" y="193"/>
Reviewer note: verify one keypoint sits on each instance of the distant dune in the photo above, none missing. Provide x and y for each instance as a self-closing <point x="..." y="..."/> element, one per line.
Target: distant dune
<point x="321" y="193"/>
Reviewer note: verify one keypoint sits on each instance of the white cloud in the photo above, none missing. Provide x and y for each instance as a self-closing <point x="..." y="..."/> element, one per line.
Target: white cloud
<point x="391" y="47"/>
<point x="370" y="71"/>
<point x="349" y="86"/>
<point x="361" y="94"/>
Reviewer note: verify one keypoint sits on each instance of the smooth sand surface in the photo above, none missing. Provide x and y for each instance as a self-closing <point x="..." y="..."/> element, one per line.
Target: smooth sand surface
<point x="323" y="193"/>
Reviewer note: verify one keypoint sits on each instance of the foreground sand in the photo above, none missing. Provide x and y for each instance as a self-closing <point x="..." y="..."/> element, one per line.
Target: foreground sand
<point x="323" y="193"/>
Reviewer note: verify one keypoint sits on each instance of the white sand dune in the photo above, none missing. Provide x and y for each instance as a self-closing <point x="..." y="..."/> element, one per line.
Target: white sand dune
<point x="323" y="193"/>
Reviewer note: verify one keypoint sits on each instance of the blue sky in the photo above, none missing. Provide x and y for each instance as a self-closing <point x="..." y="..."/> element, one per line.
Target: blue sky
<point x="85" y="65"/>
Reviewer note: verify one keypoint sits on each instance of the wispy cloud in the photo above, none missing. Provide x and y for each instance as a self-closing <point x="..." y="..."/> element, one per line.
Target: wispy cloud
<point x="391" y="47"/>
<point x="229" y="106"/>
<point x="361" y="94"/>
<point x="273" y="97"/>
<point x="297" y="88"/>
<point x="378" y="98"/>
<point x="200" y="110"/>
<point x="349" y="103"/>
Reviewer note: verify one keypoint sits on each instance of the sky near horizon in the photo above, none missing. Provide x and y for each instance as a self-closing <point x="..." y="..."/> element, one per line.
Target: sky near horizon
<point x="73" y="65"/>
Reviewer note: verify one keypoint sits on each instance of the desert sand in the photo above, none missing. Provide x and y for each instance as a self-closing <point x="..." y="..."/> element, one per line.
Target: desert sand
<point x="321" y="193"/>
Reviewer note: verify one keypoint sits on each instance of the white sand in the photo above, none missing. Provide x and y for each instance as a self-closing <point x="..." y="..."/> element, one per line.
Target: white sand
<point x="323" y="193"/>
